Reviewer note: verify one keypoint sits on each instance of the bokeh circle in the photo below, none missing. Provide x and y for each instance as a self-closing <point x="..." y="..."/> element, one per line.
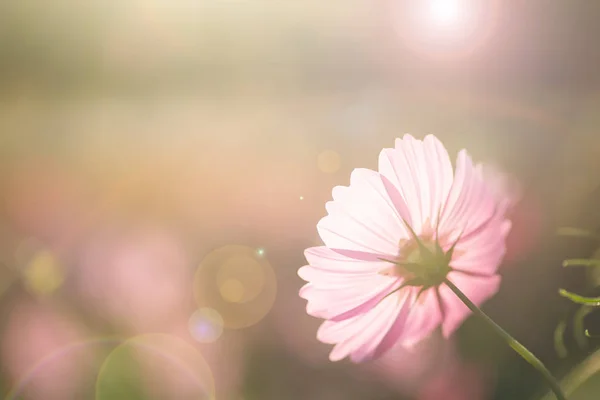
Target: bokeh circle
<point x="238" y="282"/>
<point x="206" y="325"/>
<point x="158" y="364"/>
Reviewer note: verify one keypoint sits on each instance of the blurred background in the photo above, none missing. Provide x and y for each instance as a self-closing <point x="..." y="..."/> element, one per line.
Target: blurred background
<point x="163" y="165"/>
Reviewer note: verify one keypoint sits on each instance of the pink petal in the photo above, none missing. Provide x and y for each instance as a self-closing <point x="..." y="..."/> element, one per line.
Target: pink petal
<point x="344" y="261"/>
<point x="367" y="333"/>
<point x="361" y="335"/>
<point x="345" y="302"/>
<point x="398" y="327"/>
<point x="362" y="217"/>
<point x="482" y="253"/>
<point x="506" y="190"/>
<point x="332" y="332"/>
<point x="473" y="211"/>
<point x="458" y="191"/>
<point x="340" y="285"/>
<point x="477" y="289"/>
<point x="335" y="268"/>
<point x="332" y="279"/>
<point x="425" y="316"/>
<point x="470" y="202"/>
<point x="389" y="336"/>
<point x="422" y="173"/>
<point x="474" y="205"/>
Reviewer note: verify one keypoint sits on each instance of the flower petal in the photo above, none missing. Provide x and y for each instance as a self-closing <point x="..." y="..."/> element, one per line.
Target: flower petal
<point x="344" y="283"/>
<point x="506" y="190"/>
<point x="471" y="205"/>
<point x="397" y="329"/>
<point x="344" y="261"/>
<point x="477" y="289"/>
<point x="425" y="315"/>
<point x="482" y="253"/>
<point x="325" y="278"/>
<point x="363" y="217"/>
<point x="345" y="302"/>
<point x="361" y="335"/>
<point x="422" y="173"/>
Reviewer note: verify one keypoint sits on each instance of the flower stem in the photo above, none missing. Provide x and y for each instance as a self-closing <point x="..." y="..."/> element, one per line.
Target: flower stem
<point x="512" y="342"/>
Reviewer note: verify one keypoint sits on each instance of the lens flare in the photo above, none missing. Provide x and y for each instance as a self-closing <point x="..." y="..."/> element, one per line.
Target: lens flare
<point x="445" y="12"/>
<point x="82" y="349"/>
<point x="163" y="365"/>
<point x="240" y="278"/>
<point x="444" y="28"/>
<point x="206" y="325"/>
<point x="238" y="282"/>
<point x="232" y="290"/>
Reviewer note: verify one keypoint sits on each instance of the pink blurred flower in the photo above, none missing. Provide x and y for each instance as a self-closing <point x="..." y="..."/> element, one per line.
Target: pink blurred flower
<point x="41" y="353"/>
<point x="407" y="370"/>
<point x="141" y="279"/>
<point x="391" y="240"/>
<point x="459" y="382"/>
<point x="138" y="279"/>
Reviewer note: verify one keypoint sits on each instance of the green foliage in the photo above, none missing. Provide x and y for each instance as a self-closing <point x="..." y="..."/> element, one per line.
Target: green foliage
<point x="576" y="232"/>
<point x="559" y="339"/>
<point x="120" y="377"/>
<point x="588" y="304"/>
<point x="588" y="301"/>
<point x="581" y="262"/>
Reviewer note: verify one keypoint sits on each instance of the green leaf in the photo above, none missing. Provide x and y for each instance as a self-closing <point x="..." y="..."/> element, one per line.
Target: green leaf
<point x="120" y="376"/>
<point x="588" y="334"/>
<point x="581" y="262"/>
<point x="578" y="326"/>
<point x="588" y="301"/>
<point x="569" y="231"/>
<point x="559" y="339"/>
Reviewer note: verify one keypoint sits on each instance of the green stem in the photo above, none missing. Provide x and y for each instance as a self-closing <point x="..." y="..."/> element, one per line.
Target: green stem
<point x="512" y="342"/>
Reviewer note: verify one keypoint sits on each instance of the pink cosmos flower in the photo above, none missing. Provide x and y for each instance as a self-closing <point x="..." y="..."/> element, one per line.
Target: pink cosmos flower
<point x="392" y="238"/>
